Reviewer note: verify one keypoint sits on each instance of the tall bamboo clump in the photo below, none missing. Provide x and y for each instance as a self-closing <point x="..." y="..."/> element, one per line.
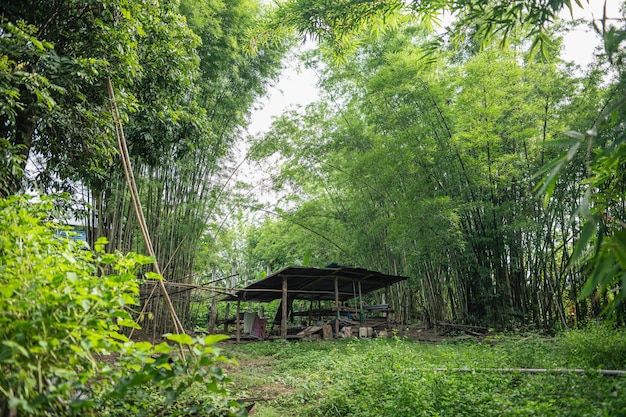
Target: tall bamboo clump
<point x="177" y="198"/>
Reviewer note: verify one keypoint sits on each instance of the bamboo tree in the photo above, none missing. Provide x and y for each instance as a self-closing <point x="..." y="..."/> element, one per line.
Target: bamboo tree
<point x="430" y="171"/>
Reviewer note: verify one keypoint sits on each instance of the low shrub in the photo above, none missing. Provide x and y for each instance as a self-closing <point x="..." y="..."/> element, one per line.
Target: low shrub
<point x="62" y="306"/>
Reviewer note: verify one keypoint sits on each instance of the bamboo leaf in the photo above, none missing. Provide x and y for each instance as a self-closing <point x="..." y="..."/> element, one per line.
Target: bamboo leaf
<point x="548" y="184"/>
<point x="572" y="151"/>
<point x="586" y="234"/>
<point x="618" y="244"/>
<point x="575" y="135"/>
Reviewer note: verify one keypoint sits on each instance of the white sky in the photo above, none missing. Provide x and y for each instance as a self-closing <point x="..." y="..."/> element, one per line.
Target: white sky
<point x="579" y="44"/>
<point x="297" y="85"/>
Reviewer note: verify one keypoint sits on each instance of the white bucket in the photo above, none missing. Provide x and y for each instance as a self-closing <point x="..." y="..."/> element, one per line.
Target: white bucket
<point x="366" y="332"/>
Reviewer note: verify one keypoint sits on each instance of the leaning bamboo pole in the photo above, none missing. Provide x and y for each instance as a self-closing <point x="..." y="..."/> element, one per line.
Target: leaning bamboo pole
<point x="134" y="193"/>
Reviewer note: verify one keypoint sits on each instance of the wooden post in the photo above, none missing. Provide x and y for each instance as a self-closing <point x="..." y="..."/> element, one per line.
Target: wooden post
<point x="245" y="284"/>
<point x="213" y="314"/>
<point x="226" y="314"/>
<point x="283" y="321"/>
<point x="386" y="301"/>
<point x="361" y="312"/>
<point x="237" y="323"/>
<point x="337" y="306"/>
<point x="213" y="311"/>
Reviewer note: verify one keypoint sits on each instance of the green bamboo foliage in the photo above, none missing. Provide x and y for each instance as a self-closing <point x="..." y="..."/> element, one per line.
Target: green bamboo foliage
<point x="430" y="171"/>
<point x="181" y="154"/>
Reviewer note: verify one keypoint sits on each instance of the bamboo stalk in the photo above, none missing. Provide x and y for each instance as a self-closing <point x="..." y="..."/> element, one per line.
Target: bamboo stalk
<point x="132" y="185"/>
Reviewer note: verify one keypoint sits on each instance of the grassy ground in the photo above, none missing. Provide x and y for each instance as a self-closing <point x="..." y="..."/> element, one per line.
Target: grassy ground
<point x="403" y="377"/>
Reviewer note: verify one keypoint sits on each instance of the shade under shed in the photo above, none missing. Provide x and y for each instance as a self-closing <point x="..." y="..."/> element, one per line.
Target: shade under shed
<point x="334" y="283"/>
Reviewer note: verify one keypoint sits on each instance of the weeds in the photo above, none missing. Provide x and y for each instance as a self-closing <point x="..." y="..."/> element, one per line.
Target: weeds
<point x="398" y="377"/>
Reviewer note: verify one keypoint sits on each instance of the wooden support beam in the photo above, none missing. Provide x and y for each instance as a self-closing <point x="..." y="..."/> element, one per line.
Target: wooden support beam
<point x="337" y="306"/>
<point x="244" y="291"/>
<point x="386" y="301"/>
<point x="361" y="312"/>
<point x="213" y="310"/>
<point x="237" y="321"/>
<point x="213" y="314"/>
<point x="226" y="317"/>
<point x="283" y="321"/>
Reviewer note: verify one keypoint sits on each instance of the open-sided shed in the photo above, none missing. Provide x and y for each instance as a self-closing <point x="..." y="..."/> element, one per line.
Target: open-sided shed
<point x="334" y="283"/>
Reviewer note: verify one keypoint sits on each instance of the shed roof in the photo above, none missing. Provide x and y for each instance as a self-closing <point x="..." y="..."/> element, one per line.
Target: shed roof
<point x="308" y="283"/>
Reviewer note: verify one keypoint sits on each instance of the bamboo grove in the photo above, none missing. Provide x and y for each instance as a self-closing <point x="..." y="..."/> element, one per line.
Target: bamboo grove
<point x="185" y="85"/>
<point x="454" y="159"/>
<point x="430" y="167"/>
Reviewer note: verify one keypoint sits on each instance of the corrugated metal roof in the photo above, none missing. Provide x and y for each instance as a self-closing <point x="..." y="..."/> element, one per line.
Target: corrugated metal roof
<point x="307" y="283"/>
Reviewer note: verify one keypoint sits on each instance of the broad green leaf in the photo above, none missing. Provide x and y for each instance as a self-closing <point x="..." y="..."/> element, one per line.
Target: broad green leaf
<point x="125" y="322"/>
<point x="108" y="259"/>
<point x="163" y="348"/>
<point x="16" y="347"/>
<point x="181" y="338"/>
<point x="143" y="346"/>
<point x="143" y="260"/>
<point x="118" y="336"/>
<point x="214" y="338"/>
<point x="154" y="276"/>
<point x="548" y="184"/>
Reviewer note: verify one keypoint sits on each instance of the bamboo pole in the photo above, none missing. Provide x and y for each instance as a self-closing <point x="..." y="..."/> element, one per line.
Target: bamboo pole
<point x="213" y="311"/>
<point x="226" y="315"/>
<point x="237" y="322"/>
<point x="337" y="306"/>
<point x="386" y="301"/>
<point x="283" y="321"/>
<point x="132" y="185"/>
<point x="361" y="312"/>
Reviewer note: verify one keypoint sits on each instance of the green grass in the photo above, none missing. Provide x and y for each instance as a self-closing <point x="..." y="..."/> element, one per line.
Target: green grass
<point x="399" y="377"/>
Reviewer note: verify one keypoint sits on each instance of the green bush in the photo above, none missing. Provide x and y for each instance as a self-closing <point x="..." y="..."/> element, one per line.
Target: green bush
<point x="62" y="307"/>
